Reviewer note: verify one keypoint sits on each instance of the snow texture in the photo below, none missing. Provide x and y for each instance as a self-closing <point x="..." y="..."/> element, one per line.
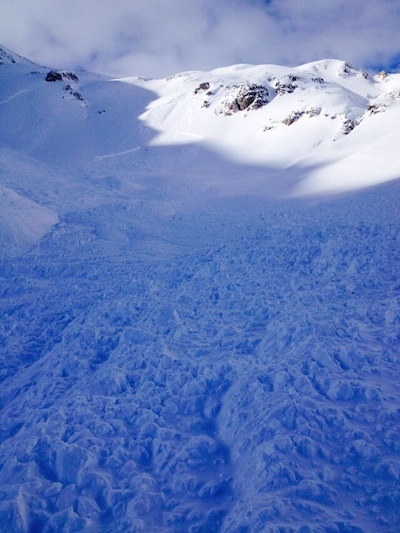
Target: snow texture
<point x="194" y="335"/>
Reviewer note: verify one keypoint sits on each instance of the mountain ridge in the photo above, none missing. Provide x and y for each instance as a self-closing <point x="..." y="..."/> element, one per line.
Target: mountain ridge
<point x="322" y="116"/>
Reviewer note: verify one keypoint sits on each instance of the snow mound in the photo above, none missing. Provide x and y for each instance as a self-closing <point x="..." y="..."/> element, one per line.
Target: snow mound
<point x="22" y="222"/>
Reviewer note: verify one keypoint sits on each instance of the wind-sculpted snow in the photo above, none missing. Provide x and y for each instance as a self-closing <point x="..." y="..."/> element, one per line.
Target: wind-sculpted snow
<point x="232" y="370"/>
<point x="182" y="347"/>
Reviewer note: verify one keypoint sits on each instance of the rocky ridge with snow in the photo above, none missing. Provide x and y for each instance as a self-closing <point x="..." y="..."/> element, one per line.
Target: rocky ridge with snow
<point x="323" y="102"/>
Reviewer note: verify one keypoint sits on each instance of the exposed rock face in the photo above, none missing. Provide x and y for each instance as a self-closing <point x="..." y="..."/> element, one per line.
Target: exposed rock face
<point x="349" y="70"/>
<point x="252" y="96"/>
<point x="76" y="94"/>
<point x="244" y="97"/>
<point x="293" y="117"/>
<point x="373" y="109"/>
<point x="202" y="87"/>
<point x="286" y="85"/>
<point x="313" y="112"/>
<point x="348" y="126"/>
<point x="70" y="76"/>
<point x="53" y="76"/>
<point x="59" y="76"/>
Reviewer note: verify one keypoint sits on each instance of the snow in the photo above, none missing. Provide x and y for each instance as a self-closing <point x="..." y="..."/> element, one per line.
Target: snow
<point x="326" y="95"/>
<point x="24" y="220"/>
<point x="198" y="332"/>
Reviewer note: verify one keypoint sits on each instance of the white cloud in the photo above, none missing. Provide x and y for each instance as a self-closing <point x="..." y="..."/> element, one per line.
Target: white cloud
<point x="160" y="37"/>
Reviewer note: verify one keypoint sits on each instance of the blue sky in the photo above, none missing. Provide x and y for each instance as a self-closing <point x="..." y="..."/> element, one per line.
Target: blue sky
<point x="159" y="37"/>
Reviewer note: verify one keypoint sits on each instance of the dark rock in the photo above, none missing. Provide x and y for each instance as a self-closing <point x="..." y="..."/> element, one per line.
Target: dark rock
<point x="244" y="97"/>
<point x="253" y="97"/>
<point x="285" y="88"/>
<point x="53" y="76"/>
<point x="286" y="85"/>
<point x="348" y="126"/>
<point x="70" y="76"/>
<point x="78" y="96"/>
<point x="293" y="117"/>
<point x="202" y="87"/>
<point x="59" y="76"/>
<point x="349" y="70"/>
<point x="373" y="109"/>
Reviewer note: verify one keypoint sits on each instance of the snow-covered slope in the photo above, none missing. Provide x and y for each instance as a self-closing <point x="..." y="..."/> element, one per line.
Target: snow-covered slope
<point x="324" y="114"/>
<point x="192" y="338"/>
<point x="321" y="119"/>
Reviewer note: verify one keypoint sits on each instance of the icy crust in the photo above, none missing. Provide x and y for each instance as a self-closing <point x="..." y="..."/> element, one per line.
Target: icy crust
<point x="244" y="381"/>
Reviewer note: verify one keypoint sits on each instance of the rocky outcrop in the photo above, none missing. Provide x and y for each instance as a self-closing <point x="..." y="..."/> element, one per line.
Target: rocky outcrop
<point x="293" y="117"/>
<point x="348" y="126"/>
<point x="53" y="75"/>
<point x="202" y="87"/>
<point x="248" y="96"/>
<point x="349" y="70"/>
<point x="313" y="112"/>
<point x="286" y="85"/>
<point x="373" y="109"/>
<point x="76" y="94"/>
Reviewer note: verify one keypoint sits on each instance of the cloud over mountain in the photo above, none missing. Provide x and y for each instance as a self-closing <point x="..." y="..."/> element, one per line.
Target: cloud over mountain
<point x="158" y="37"/>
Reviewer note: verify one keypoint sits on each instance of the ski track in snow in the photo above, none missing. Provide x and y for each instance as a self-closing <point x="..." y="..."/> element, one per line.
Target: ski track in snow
<point x="15" y="96"/>
<point x="228" y="370"/>
<point x="100" y="157"/>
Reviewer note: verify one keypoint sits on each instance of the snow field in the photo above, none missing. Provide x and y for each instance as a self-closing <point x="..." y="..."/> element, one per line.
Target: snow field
<point x="246" y="381"/>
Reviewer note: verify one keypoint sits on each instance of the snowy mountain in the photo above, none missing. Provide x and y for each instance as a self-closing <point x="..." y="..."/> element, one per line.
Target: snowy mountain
<point x="321" y="118"/>
<point x="282" y="117"/>
<point x="200" y="300"/>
